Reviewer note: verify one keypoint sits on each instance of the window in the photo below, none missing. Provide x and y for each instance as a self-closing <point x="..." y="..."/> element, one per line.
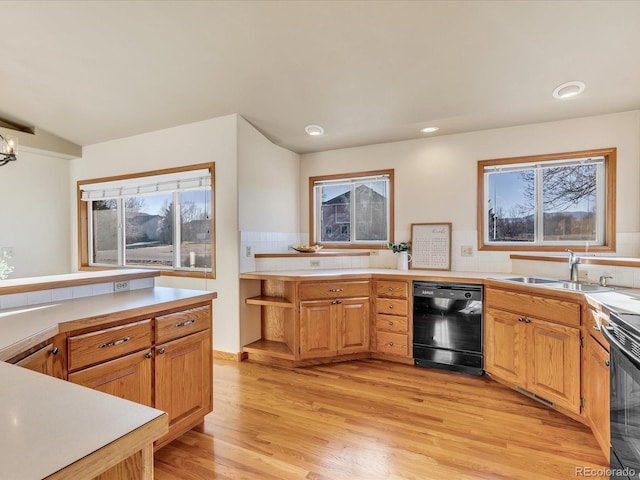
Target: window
<point x="352" y="209"/>
<point x="160" y="220"/>
<point x="549" y="202"/>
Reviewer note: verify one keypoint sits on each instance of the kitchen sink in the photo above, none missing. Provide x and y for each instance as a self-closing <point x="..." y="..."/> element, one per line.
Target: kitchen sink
<point x="536" y="280"/>
<point x="557" y="284"/>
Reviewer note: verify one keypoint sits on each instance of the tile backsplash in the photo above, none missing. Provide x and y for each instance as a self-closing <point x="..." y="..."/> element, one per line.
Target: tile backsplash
<point x="16" y="300"/>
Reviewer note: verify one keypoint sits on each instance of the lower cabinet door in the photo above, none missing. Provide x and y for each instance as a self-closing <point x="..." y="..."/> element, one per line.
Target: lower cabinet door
<point x="596" y="392"/>
<point x="183" y="380"/>
<point x="127" y="377"/>
<point x="353" y="325"/>
<point x="554" y="363"/>
<point x="318" y="329"/>
<point x="504" y="346"/>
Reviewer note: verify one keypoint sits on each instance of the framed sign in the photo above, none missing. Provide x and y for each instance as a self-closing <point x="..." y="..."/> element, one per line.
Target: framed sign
<point x="431" y="246"/>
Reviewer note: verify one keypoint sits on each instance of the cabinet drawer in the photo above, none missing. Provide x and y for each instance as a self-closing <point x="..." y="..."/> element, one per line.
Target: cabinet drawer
<point x="390" y="288"/>
<point x="309" y="291"/>
<point x="185" y="322"/>
<point x="96" y="347"/>
<point x="393" y="343"/>
<point x="594" y="322"/>
<point x="392" y="306"/>
<point x="392" y="323"/>
<point x="551" y="309"/>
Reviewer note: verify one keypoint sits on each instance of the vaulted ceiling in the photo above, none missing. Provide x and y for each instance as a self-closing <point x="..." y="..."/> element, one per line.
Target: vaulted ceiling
<point x="367" y="71"/>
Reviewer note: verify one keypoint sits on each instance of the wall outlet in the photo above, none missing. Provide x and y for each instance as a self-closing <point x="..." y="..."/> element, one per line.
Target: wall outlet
<point x="314" y="263"/>
<point x="466" y="251"/>
<point x="121" y="286"/>
<point x="374" y="252"/>
<point x="247" y="251"/>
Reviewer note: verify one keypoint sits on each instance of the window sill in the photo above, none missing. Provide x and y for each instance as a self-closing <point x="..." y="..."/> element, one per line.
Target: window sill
<point x="584" y="259"/>
<point x="312" y="254"/>
<point x="163" y="273"/>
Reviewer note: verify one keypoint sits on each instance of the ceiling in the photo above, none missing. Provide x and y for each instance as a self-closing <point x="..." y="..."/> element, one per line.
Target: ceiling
<point x="367" y="71"/>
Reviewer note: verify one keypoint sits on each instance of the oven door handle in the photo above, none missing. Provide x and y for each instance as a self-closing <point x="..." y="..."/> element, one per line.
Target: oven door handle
<point x="606" y="331"/>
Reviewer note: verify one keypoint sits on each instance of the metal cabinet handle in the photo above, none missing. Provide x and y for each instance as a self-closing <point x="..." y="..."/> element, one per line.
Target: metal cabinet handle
<point x="520" y="319"/>
<point x="115" y="343"/>
<point x="186" y="322"/>
<point x="335" y="289"/>
<point x="390" y="307"/>
<point x="527" y="320"/>
<point x="54" y="351"/>
<point x="607" y="363"/>
<point x="161" y="350"/>
<point x="391" y="344"/>
<point x="390" y="323"/>
<point x="391" y="289"/>
<point x="149" y="355"/>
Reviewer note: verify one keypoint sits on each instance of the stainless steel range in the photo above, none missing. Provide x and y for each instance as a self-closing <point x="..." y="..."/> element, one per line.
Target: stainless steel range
<point x="447" y="326"/>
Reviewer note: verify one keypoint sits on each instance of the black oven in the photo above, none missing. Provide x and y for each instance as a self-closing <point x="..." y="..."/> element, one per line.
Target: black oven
<point x="447" y="326"/>
<point x="623" y="335"/>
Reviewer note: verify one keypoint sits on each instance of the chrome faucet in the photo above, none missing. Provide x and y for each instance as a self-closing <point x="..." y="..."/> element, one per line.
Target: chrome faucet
<point x="574" y="260"/>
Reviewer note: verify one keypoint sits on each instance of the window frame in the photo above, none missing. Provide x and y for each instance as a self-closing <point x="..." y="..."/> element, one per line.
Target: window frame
<point x="609" y="244"/>
<point x="84" y="227"/>
<point x="314" y="238"/>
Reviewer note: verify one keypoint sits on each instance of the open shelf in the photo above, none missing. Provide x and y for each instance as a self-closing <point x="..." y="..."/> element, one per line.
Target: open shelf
<point x="271" y="348"/>
<point x="270" y="301"/>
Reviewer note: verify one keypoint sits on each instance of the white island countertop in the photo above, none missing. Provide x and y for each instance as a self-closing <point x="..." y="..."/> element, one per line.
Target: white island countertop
<point x="52" y="427"/>
<point x="25" y="326"/>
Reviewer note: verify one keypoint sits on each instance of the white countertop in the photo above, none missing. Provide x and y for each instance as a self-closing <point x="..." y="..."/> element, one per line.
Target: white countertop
<point x="48" y="424"/>
<point x="22" y="326"/>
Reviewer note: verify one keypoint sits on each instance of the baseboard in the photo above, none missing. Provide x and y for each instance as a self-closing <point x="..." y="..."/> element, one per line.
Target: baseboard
<point x="234" y="357"/>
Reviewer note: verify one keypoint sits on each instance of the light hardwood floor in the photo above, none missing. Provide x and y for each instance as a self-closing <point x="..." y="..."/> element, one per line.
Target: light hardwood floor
<point x="372" y="419"/>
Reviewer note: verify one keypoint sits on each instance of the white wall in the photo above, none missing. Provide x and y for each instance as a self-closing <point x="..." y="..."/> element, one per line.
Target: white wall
<point x="435" y="178"/>
<point x="269" y="205"/>
<point x="268" y="196"/>
<point x="34" y="213"/>
<point x="212" y="140"/>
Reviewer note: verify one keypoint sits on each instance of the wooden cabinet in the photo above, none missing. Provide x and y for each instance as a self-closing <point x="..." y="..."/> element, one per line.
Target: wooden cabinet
<point x="183" y="381"/>
<point x="163" y="362"/>
<point x="596" y="392"/>
<point x="50" y="358"/>
<point x="304" y="322"/>
<point x="392" y="332"/>
<point x="334" y="327"/>
<point x="533" y="342"/>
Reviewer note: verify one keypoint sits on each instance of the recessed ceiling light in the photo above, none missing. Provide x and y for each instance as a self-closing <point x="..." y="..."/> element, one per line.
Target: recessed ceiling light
<point x="569" y="89"/>
<point x="429" y="129"/>
<point x="314" y="130"/>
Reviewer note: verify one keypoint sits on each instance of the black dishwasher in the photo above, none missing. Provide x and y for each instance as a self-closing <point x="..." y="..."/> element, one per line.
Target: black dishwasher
<point x="447" y="326"/>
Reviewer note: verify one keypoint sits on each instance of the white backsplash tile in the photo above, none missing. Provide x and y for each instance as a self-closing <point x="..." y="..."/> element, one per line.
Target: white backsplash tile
<point x="61" y="294"/>
<point x="13" y="300"/>
<point x="39" y="296"/>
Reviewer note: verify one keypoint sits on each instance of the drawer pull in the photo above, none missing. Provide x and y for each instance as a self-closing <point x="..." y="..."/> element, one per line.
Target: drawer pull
<point x="337" y="302"/>
<point x="390" y="323"/>
<point x="391" y="289"/>
<point x="54" y="351"/>
<point x="186" y="322"/>
<point x="390" y="307"/>
<point x="149" y="355"/>
<point x="607" y="363"/>
<point x="391" y="344"/>
<point x="115" y="343"/>
<point x="161" y="350"/>
<point x="335" y="289"/>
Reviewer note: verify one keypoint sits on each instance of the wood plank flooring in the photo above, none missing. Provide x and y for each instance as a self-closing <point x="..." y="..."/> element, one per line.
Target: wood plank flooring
<point x="371" y="419"/>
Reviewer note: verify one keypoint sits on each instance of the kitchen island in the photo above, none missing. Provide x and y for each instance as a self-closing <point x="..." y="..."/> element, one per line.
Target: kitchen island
<point x="129" y="344"/>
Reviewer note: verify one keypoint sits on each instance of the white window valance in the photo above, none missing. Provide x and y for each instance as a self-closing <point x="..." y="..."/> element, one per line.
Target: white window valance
<point x="147" y="185"/>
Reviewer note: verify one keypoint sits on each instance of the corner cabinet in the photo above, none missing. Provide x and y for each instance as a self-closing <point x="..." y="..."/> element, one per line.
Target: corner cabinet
<point x="49" y="358"/>
<point x="309" y="322"/>
<point x="534" y="344"/>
